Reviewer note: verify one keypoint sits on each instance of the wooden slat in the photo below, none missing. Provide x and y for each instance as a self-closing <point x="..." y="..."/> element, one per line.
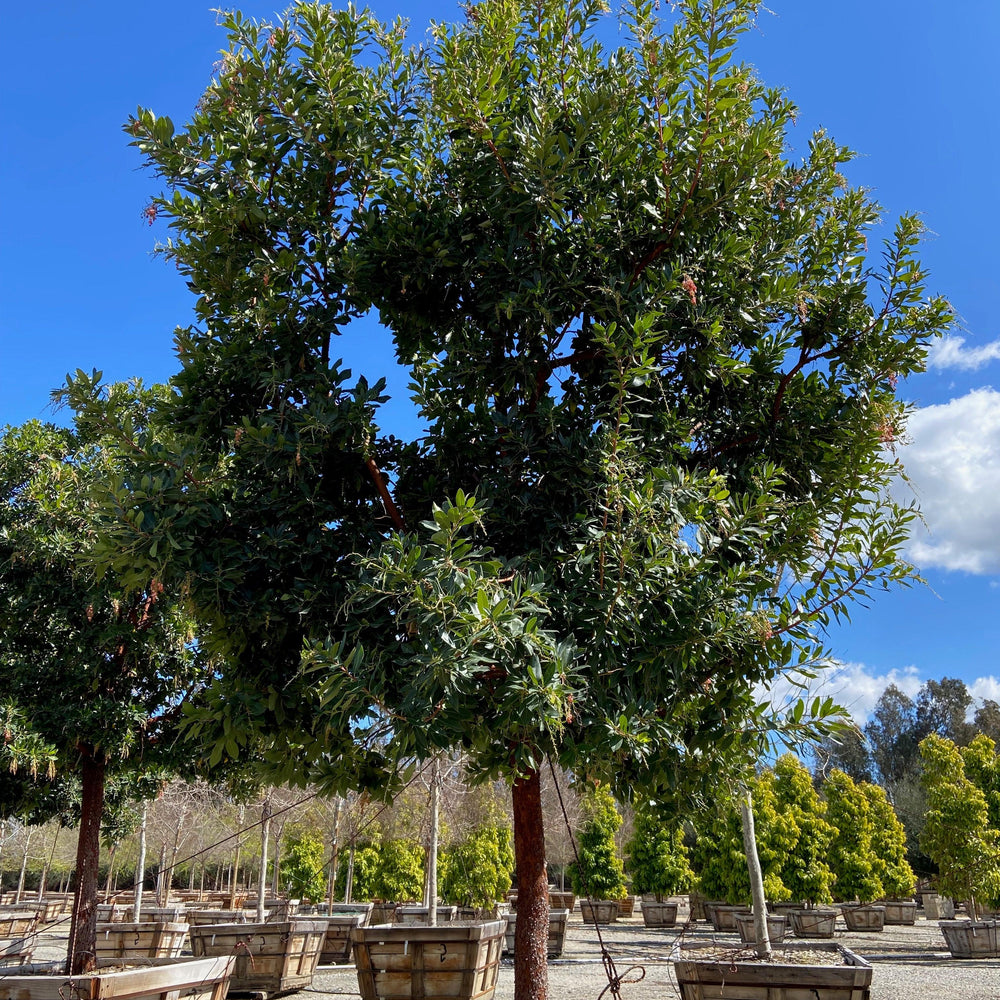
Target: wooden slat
<point x="196" y="978"/>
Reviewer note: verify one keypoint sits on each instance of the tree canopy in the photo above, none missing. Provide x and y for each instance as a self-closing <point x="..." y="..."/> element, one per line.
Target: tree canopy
<point x="654" y="370"/>
<point x="95" y="672"/>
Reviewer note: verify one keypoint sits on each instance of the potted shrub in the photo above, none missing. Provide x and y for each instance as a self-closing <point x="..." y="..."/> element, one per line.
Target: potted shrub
<point x="805" y="872"/>
<point x="478" y="868"/>
<point x="657" y="862"/>
<point x="958" y="838"/>
<point x="893" y="870"/>
<point x="302" y="867"/>
<point x="721" y="855"/>
<point x="385" y="872"/>
<point x="852" y="859"/>
<point x="598" y="876"/>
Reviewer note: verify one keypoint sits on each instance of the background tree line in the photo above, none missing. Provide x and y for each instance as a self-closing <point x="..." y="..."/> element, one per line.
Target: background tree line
<point x="886" y="749"/>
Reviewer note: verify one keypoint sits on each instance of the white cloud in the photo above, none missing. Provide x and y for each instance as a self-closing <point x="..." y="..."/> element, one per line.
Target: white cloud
<point x="953" y="461"/>
<point x="951" y="352"/>
<point x="985" y="687"/>
<point x="857" y="689"/>
<point x="851" y="686"/>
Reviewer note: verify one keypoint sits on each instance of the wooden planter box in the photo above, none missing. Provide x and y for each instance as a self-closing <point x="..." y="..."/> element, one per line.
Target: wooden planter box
<point x="349" y="909"/>
<point x="786" y="906"/>
<point x="498" y="911"/>
<point x="457" y="961"/>
<point x="277" y="909"/>
<point x="383" y="913"/>
<point x="149" y="939"/>
<point x="15" y="951"/>
<point x="17" y="923"/>
<point x="557" y="900"/>
<point x="733" y="980"/>
<point x="659" y="914"/>
<point x="337" y="943"/>
<point x="900" y="912"/>
<point x="409" y="916"/>
<point x="270" y="958"/>
<point x="626" y="907"/>
<point x="202" y="918"/>
<point x="558" y="922"/>
<point x="561" y="900"/>
<point x="938" y="907"/>
<point x="968" y="939"/>
<point x="599" y="911"/>
<point x="723" y="915"/>
<point x="815" y="922"/>
<point x="777" y="925"/>
<point x="155" y="979"/>
<point x="49" y="910"/>
<point x="122" y="912"/>
<point x="867" y="917"/>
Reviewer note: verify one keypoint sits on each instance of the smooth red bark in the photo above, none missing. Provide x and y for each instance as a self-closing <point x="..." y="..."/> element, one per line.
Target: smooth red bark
<point x="531" y="932"/>
<point x="83" y="929"/>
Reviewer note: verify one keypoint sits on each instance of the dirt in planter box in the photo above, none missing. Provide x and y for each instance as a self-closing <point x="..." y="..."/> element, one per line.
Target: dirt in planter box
<point x="779" y="956"/>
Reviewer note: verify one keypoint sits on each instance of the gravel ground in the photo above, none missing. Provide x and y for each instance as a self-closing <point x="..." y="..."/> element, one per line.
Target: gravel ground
<point x="910" y="963"/>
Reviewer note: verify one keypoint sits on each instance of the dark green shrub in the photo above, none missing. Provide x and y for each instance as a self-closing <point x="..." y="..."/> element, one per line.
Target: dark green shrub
<point x="600" y="873"/>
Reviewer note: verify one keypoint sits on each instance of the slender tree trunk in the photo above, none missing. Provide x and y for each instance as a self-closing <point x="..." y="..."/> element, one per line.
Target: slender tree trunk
<point x="236" y="860"/>
<point x="335" y="854"/>
<point x="24" y="866"/>
<point x="276" y="863"/>
<point x="174" y="849"/>
<point x="48" y="866"/>
<point x="161" y="876"/>
<point x="265" y="830"/>
<point x="430" y="889"/>
<point x="140" y="869"/>
<point x="111" y="871"/>
<point x="756" y="877"/>
<point x="3" y="843"/>
<point x="531" y="932"/>
<point x="349" y="888"/>
<point x="83" y="927"/>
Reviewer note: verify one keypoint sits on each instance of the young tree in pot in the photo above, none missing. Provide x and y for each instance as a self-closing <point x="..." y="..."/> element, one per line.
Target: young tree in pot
<point x="889" y="845"/>
<point x="805" y="873"/>
<point x="598" y="874"/>
<point x="637" y="332"/>
<point x="852" y="857"/>
<point x="302" y="867"/>
<point x="479" y="867"/>
<point x="741" y="850"/>
<point x="399" y="874"/>
<point x="656" y="856"/>
<point x="957" y="835"/>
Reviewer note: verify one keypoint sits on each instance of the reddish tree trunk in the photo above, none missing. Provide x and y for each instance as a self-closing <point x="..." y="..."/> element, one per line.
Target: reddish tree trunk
<point x="83" y="928"/>
<point x="531" y="932"/>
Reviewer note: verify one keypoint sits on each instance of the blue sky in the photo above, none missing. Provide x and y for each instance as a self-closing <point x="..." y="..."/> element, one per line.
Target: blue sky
<point x="910" y="84"/>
